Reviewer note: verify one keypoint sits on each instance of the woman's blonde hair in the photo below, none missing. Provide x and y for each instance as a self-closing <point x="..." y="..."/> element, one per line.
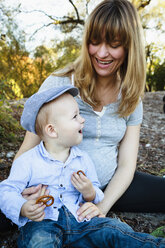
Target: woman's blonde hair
<point x="113" y="19"/>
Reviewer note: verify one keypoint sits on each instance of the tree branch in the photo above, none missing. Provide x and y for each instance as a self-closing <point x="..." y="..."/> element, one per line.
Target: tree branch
<point x="60" y="20"/>
<point x="143" y="4"/>
<point x="75" y="8"/>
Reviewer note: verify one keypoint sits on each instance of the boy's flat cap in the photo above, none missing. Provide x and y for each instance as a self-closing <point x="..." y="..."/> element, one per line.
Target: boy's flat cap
<point x="35" y="102"/>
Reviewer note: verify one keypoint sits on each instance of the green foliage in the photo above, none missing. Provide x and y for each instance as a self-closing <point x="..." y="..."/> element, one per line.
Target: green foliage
<point x="20" y="75"/>
<point x="159" y="232"/>
<point x="159" y="77"/>
<point x="4" y="88"/>
<point x="8" y="124"/>
<point x="68" y="50"/>
<point x="156" y="78"/>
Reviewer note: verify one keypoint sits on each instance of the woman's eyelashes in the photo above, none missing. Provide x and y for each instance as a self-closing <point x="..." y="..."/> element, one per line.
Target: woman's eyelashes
<point x="114" y="44"/>
<point x="95" y="42"/>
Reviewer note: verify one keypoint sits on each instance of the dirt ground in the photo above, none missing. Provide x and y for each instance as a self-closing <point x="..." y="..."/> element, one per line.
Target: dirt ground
<point x="151" y="159"/>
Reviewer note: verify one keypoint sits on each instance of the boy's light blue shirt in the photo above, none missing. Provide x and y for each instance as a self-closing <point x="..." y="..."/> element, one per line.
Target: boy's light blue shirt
<point x="37" y="166"/>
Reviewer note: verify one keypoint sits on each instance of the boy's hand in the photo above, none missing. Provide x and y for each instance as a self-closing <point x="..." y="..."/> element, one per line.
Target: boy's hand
<point x="34" y="192"/>
<point x="89" y="210"/>
<point x="84" y="186"/>
<point x="33" y="211"/>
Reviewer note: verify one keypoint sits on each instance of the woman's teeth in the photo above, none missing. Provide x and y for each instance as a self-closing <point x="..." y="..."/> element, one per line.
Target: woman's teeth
<point x="104" y="62"/>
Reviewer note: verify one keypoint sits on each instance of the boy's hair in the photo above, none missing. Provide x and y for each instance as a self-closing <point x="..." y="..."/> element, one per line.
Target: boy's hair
<point x="43" y="118"/>
<point x="37" y="100"/>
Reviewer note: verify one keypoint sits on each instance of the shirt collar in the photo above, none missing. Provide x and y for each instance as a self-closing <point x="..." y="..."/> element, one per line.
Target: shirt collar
<point x="74" y="152"/>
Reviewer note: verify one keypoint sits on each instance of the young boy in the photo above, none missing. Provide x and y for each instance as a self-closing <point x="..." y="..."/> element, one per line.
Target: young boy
<point x="54" y="116"/>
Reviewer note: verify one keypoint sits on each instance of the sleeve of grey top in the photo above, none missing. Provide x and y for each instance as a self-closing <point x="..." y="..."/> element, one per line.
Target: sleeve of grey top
<point x="54" y="81"/>
<point x="137" y="116"/>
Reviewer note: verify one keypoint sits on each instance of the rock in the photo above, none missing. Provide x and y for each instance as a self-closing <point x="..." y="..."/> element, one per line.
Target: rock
<point x="10" y="154"/>
<point x="3" y="166"/>
<point x="2" y="154"/>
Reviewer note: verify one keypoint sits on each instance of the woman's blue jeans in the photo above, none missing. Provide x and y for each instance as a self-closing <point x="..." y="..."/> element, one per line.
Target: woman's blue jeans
<point x="98" y="232"/>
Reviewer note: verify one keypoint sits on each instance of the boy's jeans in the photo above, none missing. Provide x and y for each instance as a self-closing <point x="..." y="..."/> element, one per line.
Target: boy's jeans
<point x="98" y="232"/>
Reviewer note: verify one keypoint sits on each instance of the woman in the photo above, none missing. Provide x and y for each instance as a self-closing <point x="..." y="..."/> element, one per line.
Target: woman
<point x="110" y="74"/>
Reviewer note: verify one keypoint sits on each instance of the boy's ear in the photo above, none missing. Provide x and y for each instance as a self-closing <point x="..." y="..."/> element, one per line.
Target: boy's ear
<point x="51" y="131"/>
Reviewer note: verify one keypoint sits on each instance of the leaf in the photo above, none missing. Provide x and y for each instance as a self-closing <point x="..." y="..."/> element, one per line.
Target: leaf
<point x="159" y="232"/>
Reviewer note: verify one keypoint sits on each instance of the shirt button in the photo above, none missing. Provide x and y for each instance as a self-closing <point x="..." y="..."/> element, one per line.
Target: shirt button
<point x="61" y="185"/>
<point x="61" y="196"/>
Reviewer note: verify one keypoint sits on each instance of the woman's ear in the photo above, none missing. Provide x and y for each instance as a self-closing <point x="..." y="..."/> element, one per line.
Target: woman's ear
<point x="51" y="131"/>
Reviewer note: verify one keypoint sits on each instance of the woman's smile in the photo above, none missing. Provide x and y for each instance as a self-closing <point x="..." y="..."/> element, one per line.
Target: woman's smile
<point x="104" y="62"/>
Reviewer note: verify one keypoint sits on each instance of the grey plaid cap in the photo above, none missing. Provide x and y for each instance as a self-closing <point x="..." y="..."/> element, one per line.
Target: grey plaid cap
<point x="35" y="102"/>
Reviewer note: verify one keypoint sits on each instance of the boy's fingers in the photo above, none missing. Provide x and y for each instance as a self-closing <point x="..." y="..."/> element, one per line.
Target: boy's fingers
<point x="37" y="217"/>
<point x="35" y="192"/>
<point x="47" y="192"/>
<point x="32" y="206"/>
<point x="37" y="210"/>
<point x="31" y="190"/>
<point x="75" y="177"/>
<point x="79" y="177"/>
<point x="40" y="191"/>
<point x="43" y="190"/>
<point x="75" y="182"/>
<point x="83" y="178"/>
<point x="40" y="218"/>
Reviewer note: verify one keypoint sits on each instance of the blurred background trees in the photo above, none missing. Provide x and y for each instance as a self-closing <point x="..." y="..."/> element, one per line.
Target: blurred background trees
<point x="23" y="71"/>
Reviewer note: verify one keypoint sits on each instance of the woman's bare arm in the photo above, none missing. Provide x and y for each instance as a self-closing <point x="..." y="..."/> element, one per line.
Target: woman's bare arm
<point x="30" y="140"/>
<point x="123" y="176"/>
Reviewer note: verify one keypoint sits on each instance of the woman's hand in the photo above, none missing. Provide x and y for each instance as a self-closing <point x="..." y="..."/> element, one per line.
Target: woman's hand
<point x="33" y="211"/>
<point x="89" y="210"/>
<point x="33" y="193"/>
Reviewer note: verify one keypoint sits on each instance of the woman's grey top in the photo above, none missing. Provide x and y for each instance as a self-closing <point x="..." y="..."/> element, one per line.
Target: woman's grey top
<point x="102" y="132"/>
